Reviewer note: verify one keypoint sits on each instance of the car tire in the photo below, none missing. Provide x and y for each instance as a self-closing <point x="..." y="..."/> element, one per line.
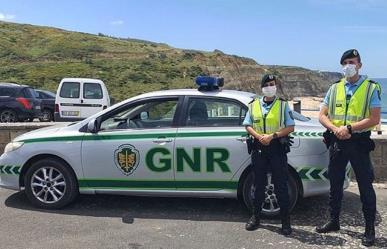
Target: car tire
<point x="268" y="211"/>
<point x="8" y="116"/>
<point x="50" y="184"/>
<point x="46" y="116"/>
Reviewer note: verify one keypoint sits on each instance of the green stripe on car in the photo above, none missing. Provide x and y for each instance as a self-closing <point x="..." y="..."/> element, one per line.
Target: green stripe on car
<point x="156" y="184"/>
<point x="94" y="137"/>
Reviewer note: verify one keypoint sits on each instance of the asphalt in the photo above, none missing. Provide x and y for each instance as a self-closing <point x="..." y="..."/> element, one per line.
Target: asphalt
<point x="143" y="222"/>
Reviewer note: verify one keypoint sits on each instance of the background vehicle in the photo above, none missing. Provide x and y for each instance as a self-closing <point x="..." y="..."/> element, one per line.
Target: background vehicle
<point x="48" y="105"/>
<point x="79" y="98"/>
<point x="18" y="103"/>
<point x="166" y="143"/>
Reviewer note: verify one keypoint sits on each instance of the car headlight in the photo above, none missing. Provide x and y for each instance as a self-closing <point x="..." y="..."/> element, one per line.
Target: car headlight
<point x="12" y="146"/>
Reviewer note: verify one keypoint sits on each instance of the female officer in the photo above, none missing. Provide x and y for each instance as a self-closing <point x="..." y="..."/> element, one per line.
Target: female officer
<point x="268" y="120"/>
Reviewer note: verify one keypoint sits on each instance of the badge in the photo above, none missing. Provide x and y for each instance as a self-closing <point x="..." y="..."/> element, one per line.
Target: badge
<point x="270" y="77"/>
<point x="355" y="52"/>
<point x="127" y="158"/>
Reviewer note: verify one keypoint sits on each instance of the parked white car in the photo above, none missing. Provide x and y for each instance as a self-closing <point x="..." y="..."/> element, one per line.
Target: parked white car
<point x="166" y="143"/>
<point x="79" y="98"/>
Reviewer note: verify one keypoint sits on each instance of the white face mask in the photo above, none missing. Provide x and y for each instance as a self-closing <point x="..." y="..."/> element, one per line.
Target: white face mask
<point x="349" y="70"/>
<point x="269" y="91"/>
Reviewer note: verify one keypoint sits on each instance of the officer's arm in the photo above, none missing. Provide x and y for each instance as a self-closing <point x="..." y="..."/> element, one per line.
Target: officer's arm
<point x="252" y="132"/>
<point x="366" y="123"/>
<point x="285" y="131"/>
<point x="324" y="120"/>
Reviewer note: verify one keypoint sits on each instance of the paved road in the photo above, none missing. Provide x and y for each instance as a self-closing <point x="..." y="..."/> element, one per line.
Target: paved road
<point x="139" y="222"/>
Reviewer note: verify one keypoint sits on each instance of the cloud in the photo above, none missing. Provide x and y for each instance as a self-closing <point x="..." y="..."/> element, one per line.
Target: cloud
<point x="5" y="17"/>
<point x="117" y="22"/>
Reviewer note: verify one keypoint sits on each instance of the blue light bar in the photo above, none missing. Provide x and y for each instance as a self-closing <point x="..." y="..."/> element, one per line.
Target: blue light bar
<point x="209" y="82"/>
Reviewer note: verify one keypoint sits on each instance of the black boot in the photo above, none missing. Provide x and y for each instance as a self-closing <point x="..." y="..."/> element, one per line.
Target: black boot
<point x="253" y="222"/>
<point x="331" y="226"/>
<point x="286" y="228"/>
<point x="369" y="235"/>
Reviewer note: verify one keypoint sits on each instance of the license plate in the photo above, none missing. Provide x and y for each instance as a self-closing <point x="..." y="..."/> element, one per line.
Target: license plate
<point x="37" y="107"/>
<point x="70" y="113"/>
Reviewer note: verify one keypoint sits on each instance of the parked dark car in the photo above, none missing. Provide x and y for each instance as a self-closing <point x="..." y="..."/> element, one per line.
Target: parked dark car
<point x="48" y="105"/>
<point x="18" y="103"/>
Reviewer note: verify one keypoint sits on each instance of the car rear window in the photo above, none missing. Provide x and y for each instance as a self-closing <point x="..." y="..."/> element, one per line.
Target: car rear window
<point x="92" y="91"/>
<point x="70" y="90"/>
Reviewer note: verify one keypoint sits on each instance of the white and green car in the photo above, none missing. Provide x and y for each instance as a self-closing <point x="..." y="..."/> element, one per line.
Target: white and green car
<point x="165" y="143"/>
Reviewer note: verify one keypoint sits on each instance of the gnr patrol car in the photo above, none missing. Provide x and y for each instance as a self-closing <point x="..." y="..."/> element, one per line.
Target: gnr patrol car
<point x="187" y="142"/>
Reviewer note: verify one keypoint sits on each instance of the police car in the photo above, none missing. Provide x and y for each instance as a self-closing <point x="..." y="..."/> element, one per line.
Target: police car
<point x="187" y="142"/>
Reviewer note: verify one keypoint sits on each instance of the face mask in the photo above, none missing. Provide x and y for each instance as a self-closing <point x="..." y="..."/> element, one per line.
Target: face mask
<point x="349" y="70"/>
<point x="269" y="91"/>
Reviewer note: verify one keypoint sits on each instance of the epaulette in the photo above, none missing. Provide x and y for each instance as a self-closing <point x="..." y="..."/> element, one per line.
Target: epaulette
<point x="282" y="99"/>
<point x="372" y="81"/>
<point x="337" y="81"/>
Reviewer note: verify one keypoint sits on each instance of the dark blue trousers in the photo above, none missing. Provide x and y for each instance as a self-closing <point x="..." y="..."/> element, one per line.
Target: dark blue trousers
<point x="271" y="158"/>
<point x="353" y="152"/>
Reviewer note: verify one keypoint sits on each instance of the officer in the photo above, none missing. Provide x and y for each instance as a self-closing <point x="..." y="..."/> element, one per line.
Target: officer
<point x="269" y="122"/>
<point x="350" y="110"/>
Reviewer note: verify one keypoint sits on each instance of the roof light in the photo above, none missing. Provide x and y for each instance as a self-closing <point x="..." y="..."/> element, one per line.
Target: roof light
<point x="208" y="83"/>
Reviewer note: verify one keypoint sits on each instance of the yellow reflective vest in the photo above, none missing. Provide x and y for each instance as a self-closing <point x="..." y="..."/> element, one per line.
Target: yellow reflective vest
<point x="344" y="110"/>
<point x="272" y="121"/>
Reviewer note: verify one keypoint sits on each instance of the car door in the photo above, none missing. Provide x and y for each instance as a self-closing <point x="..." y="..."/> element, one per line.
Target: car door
<point x="210" y="146"/>
<point x="92" y="99"/>
<point x="133" y="149"/>
<point x="69" y="100"/>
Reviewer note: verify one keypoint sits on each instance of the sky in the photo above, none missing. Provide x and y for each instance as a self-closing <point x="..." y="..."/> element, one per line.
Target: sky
<point x="307" y="33"/>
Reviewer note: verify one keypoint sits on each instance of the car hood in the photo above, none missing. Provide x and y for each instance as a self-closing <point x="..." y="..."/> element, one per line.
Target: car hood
<point x="43" y="132"/>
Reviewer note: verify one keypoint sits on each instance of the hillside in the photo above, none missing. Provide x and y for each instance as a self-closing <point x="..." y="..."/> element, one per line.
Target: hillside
<point x="42" y="56"/>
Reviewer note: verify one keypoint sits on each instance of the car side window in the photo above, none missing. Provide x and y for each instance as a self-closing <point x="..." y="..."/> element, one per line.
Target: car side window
<point x="70" y="90"/>
<point x="215" y="113"/>
<point x="144" y="115"/>
<point x="92" y="91"/>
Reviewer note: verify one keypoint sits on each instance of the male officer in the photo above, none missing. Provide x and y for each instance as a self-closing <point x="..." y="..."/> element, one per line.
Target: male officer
<point x="269" y="123"/>
<point x="350" y="110"/>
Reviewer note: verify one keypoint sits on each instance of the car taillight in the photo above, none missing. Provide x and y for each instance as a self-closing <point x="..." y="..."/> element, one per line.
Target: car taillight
<point x="56" y="108"/>
<point x="26" y="104"/>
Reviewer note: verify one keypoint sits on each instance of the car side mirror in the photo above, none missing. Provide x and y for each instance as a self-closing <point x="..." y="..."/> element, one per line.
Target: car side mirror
<point x="92" y="126"/>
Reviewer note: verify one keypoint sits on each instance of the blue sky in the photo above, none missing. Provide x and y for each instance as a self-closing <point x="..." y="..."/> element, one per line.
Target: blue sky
<point x="307" y="33"/>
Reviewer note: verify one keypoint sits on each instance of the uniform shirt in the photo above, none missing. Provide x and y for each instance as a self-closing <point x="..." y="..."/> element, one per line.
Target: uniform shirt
<point x="350" y="89"/>
<point x="289" y="121"/>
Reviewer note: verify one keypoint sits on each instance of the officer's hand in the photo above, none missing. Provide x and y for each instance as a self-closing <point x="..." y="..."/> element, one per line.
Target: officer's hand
<point x="266" y="139"/>
<point x="342" y="132"/>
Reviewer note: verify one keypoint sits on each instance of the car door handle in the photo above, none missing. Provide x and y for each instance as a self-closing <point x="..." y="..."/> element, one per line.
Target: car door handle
<point x="242" y="139"/>
<point x="162" y="140"/>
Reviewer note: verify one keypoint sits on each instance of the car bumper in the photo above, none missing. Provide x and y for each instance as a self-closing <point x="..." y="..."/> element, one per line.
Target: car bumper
<point x="9" y="172"/>
<point x="58" y="118"/>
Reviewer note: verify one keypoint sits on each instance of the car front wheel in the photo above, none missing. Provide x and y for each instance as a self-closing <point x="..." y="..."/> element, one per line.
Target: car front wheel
<point x="46" y="116"/>
<point x="50" y="184"/>
<point x="270" y="206"/>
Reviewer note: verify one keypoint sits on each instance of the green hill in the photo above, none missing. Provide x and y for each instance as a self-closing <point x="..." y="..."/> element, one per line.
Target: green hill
<point x="42" y="56"/>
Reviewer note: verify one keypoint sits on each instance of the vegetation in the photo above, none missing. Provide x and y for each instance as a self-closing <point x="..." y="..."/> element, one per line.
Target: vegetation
<point x="42" y="56"/>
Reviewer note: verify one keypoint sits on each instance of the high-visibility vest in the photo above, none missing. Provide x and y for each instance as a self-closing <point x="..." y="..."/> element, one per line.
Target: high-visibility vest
<point x="270" y="122"/>
<point x="344" y="110"/>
